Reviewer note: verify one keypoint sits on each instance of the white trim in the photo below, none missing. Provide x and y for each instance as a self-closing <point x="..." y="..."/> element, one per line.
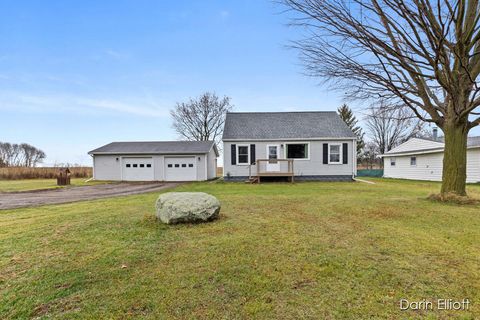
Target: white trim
<point x="297" y="142"/>
<point x="291" y="139"/>
<point x="248" y="153"/>
<point x="206" y="167"/>
<point x="340" y="158"/>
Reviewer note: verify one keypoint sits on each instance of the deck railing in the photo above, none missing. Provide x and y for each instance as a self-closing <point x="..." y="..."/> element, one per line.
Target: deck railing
<point x="271" y="168"/>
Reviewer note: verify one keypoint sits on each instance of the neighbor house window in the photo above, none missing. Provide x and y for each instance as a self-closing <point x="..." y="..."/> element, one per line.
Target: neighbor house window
<point x="297" y="151"/>
<point x="334" y="155"/>
<point x="413" y="161"/>
<point x="243" y="154"/>
<point x="393" y="161"/>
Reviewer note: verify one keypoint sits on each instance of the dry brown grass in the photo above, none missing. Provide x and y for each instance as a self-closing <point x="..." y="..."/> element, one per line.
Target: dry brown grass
<point x="453" y="198"/>
<point x="17" y="173"/>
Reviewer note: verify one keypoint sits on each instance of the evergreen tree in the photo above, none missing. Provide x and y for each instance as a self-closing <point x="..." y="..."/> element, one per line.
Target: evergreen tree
<point x="349" y="118"/>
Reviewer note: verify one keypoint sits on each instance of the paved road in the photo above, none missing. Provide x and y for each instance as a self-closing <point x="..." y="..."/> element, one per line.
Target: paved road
<point x="12" y="200"/>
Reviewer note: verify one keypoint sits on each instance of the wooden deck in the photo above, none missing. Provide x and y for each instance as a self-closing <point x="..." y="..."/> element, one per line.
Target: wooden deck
<point x="271" y="168"/>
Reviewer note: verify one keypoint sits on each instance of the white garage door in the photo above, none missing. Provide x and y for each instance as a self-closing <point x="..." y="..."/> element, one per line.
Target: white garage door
<point x="137" y="169"/>
<point x="180" y="169"/>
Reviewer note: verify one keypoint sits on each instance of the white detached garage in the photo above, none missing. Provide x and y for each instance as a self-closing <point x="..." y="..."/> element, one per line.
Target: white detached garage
<point x="155" y="161"/>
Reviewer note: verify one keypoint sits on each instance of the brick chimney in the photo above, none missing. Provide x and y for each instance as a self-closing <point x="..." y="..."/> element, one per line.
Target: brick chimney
<point x="435" y="134"/>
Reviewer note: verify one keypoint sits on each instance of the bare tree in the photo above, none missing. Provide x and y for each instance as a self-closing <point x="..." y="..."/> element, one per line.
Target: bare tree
<point x="20" y="155"/>
<point x="201" y="119"/>
<point x="424" y="54"/>
<point x="389" y="127"/>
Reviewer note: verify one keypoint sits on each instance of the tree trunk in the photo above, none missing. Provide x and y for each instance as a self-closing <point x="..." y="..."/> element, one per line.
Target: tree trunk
<point x="455" y="159"/>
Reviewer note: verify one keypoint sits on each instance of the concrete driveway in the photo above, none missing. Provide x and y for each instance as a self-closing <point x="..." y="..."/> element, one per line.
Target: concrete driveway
<point x="12" y="200"/>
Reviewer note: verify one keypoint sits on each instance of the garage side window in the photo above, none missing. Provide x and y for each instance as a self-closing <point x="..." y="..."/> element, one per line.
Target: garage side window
<point x="393" y="161"/>
<point x="243" y="154"/>
<point x="413" y="161"/>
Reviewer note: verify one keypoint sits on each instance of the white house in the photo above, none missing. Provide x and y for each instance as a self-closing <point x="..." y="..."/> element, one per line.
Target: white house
<point x="155" y="161"/>
<point x="422" y="159"/>
<point x="298" y="145"/>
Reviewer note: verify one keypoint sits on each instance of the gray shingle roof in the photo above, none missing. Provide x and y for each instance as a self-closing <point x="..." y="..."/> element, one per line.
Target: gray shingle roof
<point x="285" y="125"/>
<point x="155" y="147"/>
<point x="473" y="142"/>
<point x="432" y="145"/>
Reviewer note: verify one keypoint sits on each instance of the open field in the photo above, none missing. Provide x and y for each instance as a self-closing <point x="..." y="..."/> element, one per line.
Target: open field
<point x="38" y="184"/>
<point x="18" y="173"/>
<point x="279" y="251"/>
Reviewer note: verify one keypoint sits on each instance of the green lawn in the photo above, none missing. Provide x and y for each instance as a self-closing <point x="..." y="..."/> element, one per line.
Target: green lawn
<point x="279" y="251"/>
<point x="37" y="184"/>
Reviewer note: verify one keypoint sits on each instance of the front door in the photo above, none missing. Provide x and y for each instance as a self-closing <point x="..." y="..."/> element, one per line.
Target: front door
<point x="272" y="152"/>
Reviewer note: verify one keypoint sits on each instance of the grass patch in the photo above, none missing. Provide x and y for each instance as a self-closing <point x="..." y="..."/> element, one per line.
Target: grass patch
<point x="39" y="184"/>
<point x="279" y="251"/>
<point x="453" y="199"/>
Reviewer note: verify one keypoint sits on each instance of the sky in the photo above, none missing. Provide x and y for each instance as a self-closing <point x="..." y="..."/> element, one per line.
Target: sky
<point x="75" y="75"/>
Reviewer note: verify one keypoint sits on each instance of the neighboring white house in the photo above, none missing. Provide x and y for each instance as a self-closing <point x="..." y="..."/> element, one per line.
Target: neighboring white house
<point x="155" y="161"/>
<point x="320" y="145"/>
<point x="422" y="159"/>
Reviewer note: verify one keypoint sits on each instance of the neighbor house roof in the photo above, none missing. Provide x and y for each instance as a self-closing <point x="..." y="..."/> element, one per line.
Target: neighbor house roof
<point x="424" y="145"/>
<point x="156" y="147"/>
<point x="285" y="125"/>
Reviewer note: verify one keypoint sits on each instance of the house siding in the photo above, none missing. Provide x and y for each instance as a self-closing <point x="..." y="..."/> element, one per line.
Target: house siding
<point x="106" y="167"/>
<point x="429" y="167"/>
<point x="309" y="168"/>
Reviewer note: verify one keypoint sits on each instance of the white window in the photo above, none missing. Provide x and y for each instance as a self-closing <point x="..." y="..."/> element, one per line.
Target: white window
<point x="243" y="154"/>
<point x="393" y="161"/>
<point x="297" y="151"/>
<point x="413" y="161"/>
<point x="334" y="154"/>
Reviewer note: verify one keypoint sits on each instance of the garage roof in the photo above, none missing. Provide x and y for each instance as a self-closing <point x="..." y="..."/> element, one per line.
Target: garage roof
<point x="285" y="125"/>
<point x="156" y="147"/>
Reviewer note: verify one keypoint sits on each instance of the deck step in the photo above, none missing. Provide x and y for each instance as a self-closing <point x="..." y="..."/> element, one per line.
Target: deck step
<point x="252" y="180"/>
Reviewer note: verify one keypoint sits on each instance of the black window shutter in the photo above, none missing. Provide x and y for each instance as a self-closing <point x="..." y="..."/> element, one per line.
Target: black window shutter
<point x="252" y="153"/>
<point x="325" y="153"/>
<point x="234" y="154"/>
<point x="345" y="153"/>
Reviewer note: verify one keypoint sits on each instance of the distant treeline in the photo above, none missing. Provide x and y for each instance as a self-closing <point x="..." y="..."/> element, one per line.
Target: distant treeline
<point x="20" y="155"/>
<point x="17" y="173"/>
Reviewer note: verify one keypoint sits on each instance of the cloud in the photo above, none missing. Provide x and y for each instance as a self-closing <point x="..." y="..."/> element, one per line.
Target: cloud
<point x="79" y="105"/>
<point x="224" y="14"/>
<point x="117" y="54"/>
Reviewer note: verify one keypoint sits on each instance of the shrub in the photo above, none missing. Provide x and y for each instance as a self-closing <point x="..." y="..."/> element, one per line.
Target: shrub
<point x="17" y="173"/>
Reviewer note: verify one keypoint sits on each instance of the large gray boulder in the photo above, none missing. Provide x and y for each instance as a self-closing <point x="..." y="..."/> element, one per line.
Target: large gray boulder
<point x="187" y="207"/>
